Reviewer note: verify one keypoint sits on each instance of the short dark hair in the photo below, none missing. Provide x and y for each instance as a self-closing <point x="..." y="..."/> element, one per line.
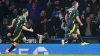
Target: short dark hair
<point x="74" y="3"/>
<point x="24" y="11"/>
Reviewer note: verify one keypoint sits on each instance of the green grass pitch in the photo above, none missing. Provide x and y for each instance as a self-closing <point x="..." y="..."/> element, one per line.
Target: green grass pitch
<point x="50" y="55"/>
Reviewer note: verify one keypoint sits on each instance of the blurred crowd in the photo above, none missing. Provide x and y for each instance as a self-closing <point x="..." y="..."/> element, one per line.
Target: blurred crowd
<point x="47" y="16"/>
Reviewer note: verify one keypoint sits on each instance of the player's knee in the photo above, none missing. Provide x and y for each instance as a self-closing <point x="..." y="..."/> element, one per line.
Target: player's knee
<point x="24" y="39"/>
<point x="15" y="44"/>
<point x="78" y="32"/>
<point x="75" y="36"/>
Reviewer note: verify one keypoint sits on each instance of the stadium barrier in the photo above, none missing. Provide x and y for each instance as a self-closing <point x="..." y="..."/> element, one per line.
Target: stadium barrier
<point x="52" y="49"/>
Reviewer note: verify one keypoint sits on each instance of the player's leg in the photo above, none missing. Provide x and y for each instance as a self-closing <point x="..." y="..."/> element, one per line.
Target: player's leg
<point x="14" y="43"/>
<point x="23" y="38"/>
<point x="80" y="38"/>
<point x="68" y="36"/>
<point x="13" y="46"/>
<point x="67" y="40"/>
<point x="72" y="32"/>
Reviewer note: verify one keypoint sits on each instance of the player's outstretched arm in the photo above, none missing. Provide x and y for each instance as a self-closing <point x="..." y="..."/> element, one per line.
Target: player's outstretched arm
<point x="25" y="28"/>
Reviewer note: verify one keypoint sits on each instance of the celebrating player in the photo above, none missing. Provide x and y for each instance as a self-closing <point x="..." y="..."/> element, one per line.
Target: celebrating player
<point x="20" y="24"/>
<point x="72" y="16"/>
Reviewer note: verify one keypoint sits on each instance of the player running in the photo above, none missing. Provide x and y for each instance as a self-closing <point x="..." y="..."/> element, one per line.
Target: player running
<point x="20" y="24"/>
<point x="72" y="16"/>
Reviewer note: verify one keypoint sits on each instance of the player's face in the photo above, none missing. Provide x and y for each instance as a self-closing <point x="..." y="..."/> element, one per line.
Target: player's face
<point x="26" y="13"/>
<point x="76" y="5"/>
